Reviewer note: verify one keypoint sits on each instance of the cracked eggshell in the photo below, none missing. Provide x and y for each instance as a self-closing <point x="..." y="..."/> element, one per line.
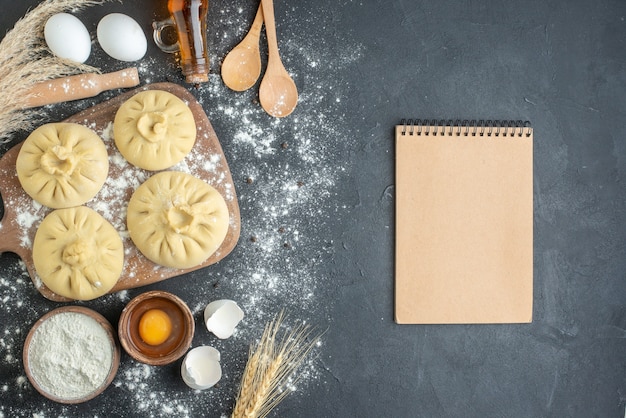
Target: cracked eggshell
<point x="222" y="316"/>
<point x="201" y="368"/>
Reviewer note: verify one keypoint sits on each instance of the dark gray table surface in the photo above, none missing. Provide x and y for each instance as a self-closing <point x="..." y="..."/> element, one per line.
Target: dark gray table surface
<point x="316" y="191"/>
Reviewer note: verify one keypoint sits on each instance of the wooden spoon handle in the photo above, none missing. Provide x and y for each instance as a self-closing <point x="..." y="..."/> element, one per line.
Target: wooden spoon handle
<point x="270" y="27"/>
<point x="255" y="30"/>
<point x="79" y="87"/>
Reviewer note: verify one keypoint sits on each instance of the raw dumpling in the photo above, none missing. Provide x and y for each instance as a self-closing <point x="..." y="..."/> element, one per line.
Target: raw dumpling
<point x="177" y="220"/>
<point x="77" y="253"/>
<point x="154" y="130"/>
<point x="61" y="165"/>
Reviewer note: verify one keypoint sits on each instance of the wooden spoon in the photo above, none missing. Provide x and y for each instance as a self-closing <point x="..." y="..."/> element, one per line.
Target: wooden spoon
<point x="242" y="66"/>
<point x="277" y="93"/>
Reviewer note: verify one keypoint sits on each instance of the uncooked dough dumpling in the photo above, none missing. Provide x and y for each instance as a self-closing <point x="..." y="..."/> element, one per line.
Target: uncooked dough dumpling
<point x="77" y="253"/>
<point x="177" y="220"/>
<point x="154" y="130"/>
<point x="61" y="165"/>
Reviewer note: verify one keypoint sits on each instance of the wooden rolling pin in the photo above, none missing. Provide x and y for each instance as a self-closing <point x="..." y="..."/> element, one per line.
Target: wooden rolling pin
<point x="79" y="87"/>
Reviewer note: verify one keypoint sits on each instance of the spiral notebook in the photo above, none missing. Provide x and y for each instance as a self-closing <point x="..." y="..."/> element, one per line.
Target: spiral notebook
<point x="464" y="222"/>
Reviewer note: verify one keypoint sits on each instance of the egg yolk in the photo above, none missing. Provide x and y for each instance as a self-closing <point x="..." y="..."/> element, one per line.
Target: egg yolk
<point x="155" y="326"/>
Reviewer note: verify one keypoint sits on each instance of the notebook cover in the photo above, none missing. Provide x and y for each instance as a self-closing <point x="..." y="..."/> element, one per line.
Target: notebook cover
<point x="464" y="227"/>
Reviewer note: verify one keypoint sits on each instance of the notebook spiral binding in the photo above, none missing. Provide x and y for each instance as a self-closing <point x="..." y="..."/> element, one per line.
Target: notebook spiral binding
<point x="441" y="127"/>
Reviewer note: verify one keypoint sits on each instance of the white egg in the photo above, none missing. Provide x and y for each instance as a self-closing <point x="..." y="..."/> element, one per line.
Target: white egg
<point x="201" y="368"/>
<point x="121" y="37"/>
<point x="222" y="316"/>
<point x="67" y="37"/>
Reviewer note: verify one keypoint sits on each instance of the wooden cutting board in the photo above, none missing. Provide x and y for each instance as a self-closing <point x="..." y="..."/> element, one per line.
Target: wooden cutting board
<point x="206" y="161"/>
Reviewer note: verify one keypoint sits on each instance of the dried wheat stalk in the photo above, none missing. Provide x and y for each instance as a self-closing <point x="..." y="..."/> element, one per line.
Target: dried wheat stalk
<point x="271" y="367"/>
<point x="26" y="60"/>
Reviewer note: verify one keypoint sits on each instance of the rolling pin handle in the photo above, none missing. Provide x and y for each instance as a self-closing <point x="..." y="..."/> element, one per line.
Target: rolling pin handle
<point x="79" y="86"/>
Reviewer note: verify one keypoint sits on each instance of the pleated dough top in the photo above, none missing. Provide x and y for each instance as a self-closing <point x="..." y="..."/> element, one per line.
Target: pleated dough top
<point x="154" y="130"/>
<point x="177" y="220"/>
<point x="77" y="253"/>
<point x="61" y="165"/>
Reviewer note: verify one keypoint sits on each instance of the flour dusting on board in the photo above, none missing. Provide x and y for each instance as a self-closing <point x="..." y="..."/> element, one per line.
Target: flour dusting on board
<point x="286" y="174"/>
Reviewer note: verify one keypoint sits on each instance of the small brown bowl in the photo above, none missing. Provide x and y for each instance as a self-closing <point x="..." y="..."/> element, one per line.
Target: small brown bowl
<point x="32" y="343"/>
<point x="178" y="342"/>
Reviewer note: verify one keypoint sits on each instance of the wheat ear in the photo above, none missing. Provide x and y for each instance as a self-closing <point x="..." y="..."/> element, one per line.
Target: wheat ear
<point x="271" y="366"/>
<point x="247" y="382"/>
